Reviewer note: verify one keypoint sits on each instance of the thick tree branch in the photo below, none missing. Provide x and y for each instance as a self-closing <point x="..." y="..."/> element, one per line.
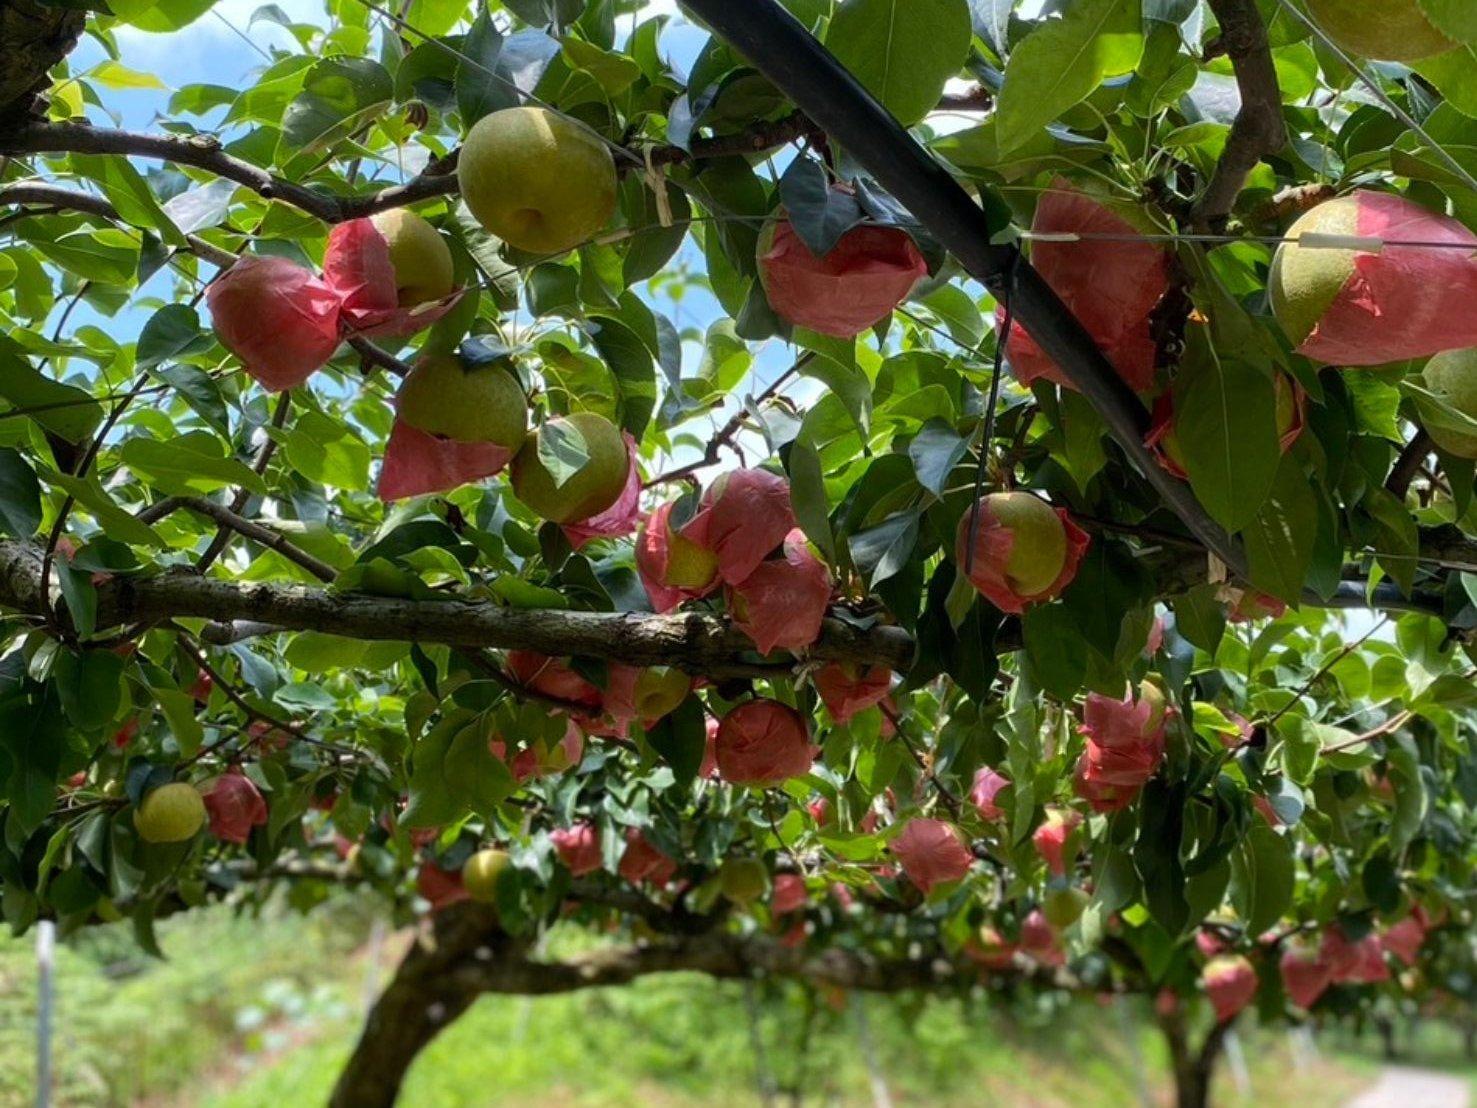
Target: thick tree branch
<point x="33" y="38"/>
<point x="1259" y="130"/>
<point x="1409" y="463"/>
<point x="698" y="643"/>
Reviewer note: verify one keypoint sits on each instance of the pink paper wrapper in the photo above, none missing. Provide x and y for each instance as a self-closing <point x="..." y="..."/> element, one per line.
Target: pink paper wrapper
<point x="783" y="602"/>
<point x="1111" y="287"/>
<point x="277" y="317"/>
<point x="418" y="464"/>
<point x="357" y="267"/>
<point x="931" y="852"/>
<point x="866" y="275"/>
<point x="1406" y="301"/>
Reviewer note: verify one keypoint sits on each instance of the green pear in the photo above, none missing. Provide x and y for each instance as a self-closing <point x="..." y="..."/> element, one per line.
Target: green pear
<point x="420" y="256"/>
<point x="536" y="180"/>
<point x="1452" y="377"/>
<point x="592" y="488"/>
<point x="1383" y="30"/>
<point x="659" y="689"/>
<point x="689" y="566"/>
<point x="1039" y="552"/>
<point x="1305" y="281"/>
<point x="171" y="813"/>
<point x="481" y="872"/>
<point x="1064" y="906"/>
<point x="743" y="880"/>
<point x="447" y="396"/>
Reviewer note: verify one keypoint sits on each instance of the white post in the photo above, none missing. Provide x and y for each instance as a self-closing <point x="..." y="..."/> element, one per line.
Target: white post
<point x="372" y="959"/>
<point x="762" y="1077"/>
<point x="1236" y="1059"/>
<point x="881" y="1096"/>
<point x="1136" y="1052"/>
<point x="45" y="961"/>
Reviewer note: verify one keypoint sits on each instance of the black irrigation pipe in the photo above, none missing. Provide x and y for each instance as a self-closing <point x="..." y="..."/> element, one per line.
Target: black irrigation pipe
<point x="820" y="86"/>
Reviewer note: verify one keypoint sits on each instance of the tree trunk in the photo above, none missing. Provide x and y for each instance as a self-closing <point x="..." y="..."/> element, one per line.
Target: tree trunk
<point x="1469" y="1037"/>
<point x="1386" y="1028"/>
<point x="424" y="997"/>
<point x="1194" y="1070"/>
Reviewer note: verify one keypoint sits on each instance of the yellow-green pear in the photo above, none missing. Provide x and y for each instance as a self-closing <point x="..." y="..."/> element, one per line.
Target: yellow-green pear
<point x="1063" y="907"/>
<point x="1039" y="553"/>
<point x="537" y="180"/>
<point x="171" y="813"/>
<point x="1306" y="280"/>
<point x="1384" y="30"/>
<point x="590" y="489"/>
<point x="1452" y="377"/>
<point x="449" y="396"/>
<point x="689" y="566"/>
<point x="420" y="256"/>
<point x="659" y="689"/>
<point x="481" y="871"/>
<point x="743" y="880"/>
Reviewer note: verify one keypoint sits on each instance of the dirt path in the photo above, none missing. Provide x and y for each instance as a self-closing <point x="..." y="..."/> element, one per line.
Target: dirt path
<point x="1407" y="1087"/>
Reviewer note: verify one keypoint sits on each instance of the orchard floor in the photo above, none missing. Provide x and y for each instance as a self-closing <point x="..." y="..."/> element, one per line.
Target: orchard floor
<point x="259" y="1013"/>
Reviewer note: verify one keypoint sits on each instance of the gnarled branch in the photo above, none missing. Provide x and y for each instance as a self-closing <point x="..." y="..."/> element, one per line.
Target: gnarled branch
<point x="1259" y="129"/>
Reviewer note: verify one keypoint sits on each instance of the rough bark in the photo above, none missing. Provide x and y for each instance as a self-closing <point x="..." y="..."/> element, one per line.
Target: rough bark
<point x="33" y="38"/>
<point x="1259" y="130"/>
<point x="1193" y="1067"/>
<point x="466" y="954"/>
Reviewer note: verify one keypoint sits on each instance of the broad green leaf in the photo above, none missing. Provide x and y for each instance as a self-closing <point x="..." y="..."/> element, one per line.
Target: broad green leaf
<point x="1263" y="877"/>
<point x="196" y="462"/>
<point x="325" y="450"/>
<point x="1062" y="62"/>
<point x="1279" y="542"/>
<point x="903" y="51"/>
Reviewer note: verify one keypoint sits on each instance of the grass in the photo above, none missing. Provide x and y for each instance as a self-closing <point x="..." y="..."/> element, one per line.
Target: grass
<point x="252" y="1013"/>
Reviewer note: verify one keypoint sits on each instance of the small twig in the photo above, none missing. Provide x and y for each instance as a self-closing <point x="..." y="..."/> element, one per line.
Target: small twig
<point x="239" y="500"/>
<point x="1409" y="463"/>
<point x="250" y="529"/>
<point x="725" y="435"/>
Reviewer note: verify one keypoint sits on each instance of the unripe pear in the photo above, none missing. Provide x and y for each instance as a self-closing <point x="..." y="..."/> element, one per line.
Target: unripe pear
<point x="171" y="813"/>
<point x="481" y="871"/>
<point x="659" y="689"/>
<point x="1064" y="906"/>
<point x="419" y="255"/>
<point x="743" y="880"/>
<point x="689" y="566"/>
<point x="450" y="397"/>
<point x="1453" y="378"/>
<point x="1039" y="552"/>
<point x="592" y="488"/>
<point x="1384" y="30"/>
<point x="537" y="180"/>
<point x="1305" y="281"/>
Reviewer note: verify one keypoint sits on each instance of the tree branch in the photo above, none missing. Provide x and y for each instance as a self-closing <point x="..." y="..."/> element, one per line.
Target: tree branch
<point x="702" y="644"/>
<point x="33" y="38"/>
<point x="257" y="532"/>
<point x="1258" y="130"/>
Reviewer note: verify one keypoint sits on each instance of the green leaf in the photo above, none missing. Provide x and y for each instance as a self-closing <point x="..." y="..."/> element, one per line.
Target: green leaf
<point x="326" y="451"/>
<point x="89" y="684"/>
<point x="881" y="552"/>
<point x="64" y="410"/>
<point x="1279" y="542"/>
<point x="1397" y="538"/>
<point x="1263" y="877"/>
<point x="935" y="451"/>
<point x="116" y="75"/>
<point x="117" y="523"/>
<point x="432" y="800"/>
<point x="480" y="88"/>
<point x="819" y="214"/>
<point x="1225" y="420"/>
<point x="681" y="738"/>
<point x="1200" y="617"/>
<point x="903" y="51"/>
<point x="1454" y="74"/>
<point x="808" y="496"/>
<point x="129" y="193"/>
<point x="169" y="332"/>
<point x="562" y="450"/>
<point x="191" y="463"/>
<point x="475" y="777"/>
<point x="338" y="93"/>
<point x="179" y="710"/>
<point x="633" y="369"/>
<point x="1056" y="648"/>
<point x="1456" y="19"/>
<point x="1062" y="62"/>
<point x="20" y="496"/>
